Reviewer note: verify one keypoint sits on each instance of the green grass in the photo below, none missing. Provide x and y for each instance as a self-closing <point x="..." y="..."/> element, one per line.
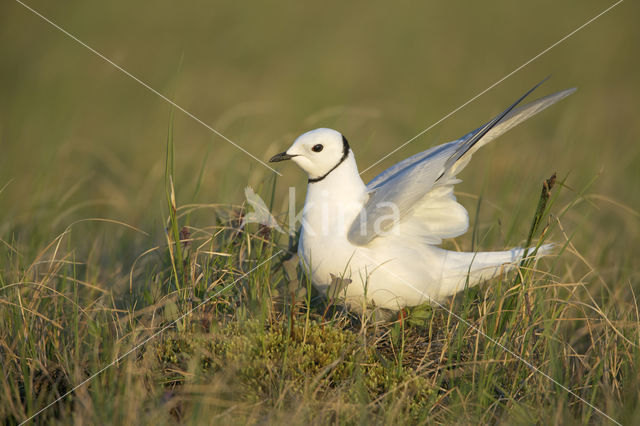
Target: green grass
<point x="115" y="229"/>
<point x="227" y="337"/>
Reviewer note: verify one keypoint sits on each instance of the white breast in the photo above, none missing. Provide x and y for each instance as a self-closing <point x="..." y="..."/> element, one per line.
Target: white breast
<point x="329" y="209"/>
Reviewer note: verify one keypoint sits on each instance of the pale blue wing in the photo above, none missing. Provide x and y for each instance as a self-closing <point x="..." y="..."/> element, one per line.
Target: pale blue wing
<point x="403" y="188"/>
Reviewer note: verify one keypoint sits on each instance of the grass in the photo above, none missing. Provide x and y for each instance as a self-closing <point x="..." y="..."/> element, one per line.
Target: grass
<point x="113" y="229"/>
<point x="230" y="335"/>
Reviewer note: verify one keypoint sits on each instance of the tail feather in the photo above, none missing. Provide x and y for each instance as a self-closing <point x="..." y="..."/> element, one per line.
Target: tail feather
<point x="462" y="269"/>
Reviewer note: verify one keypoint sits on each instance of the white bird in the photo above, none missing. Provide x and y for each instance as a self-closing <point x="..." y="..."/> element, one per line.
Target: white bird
<point x="382" y="238"/>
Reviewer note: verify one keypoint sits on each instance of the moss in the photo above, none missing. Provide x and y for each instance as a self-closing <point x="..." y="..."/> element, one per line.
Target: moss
<point x="319" y="359"/>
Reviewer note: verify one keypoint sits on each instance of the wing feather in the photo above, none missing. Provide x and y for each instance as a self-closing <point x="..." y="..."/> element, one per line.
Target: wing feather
<point x="418" y="191"/>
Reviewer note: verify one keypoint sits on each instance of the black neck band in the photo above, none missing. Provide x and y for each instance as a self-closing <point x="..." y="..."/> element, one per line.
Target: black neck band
<point x="345" y="154"/>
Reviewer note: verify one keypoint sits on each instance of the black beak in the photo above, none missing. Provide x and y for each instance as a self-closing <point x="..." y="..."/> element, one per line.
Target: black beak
<point x="281" y="157"/>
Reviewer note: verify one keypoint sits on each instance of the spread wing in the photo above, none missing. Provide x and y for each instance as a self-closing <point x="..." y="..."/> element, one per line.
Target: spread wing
<point x="417" y="193"/>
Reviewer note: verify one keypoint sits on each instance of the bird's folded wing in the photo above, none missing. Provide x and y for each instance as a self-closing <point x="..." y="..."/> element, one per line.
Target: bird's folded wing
<point x="417" y="193"/>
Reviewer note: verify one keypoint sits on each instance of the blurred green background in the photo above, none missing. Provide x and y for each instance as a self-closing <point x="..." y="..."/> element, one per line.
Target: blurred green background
<point x="79" y="139"/>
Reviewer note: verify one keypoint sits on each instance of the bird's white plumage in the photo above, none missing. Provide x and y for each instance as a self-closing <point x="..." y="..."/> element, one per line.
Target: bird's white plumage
<point x="407" y="183"/>
<point x="383" y="235"/>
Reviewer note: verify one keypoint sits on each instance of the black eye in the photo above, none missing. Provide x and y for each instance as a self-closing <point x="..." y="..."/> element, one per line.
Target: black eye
<point x="317" y="148"/>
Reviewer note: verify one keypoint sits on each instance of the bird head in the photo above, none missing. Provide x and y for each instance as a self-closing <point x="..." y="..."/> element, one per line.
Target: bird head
<point x="317" y="152"/>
